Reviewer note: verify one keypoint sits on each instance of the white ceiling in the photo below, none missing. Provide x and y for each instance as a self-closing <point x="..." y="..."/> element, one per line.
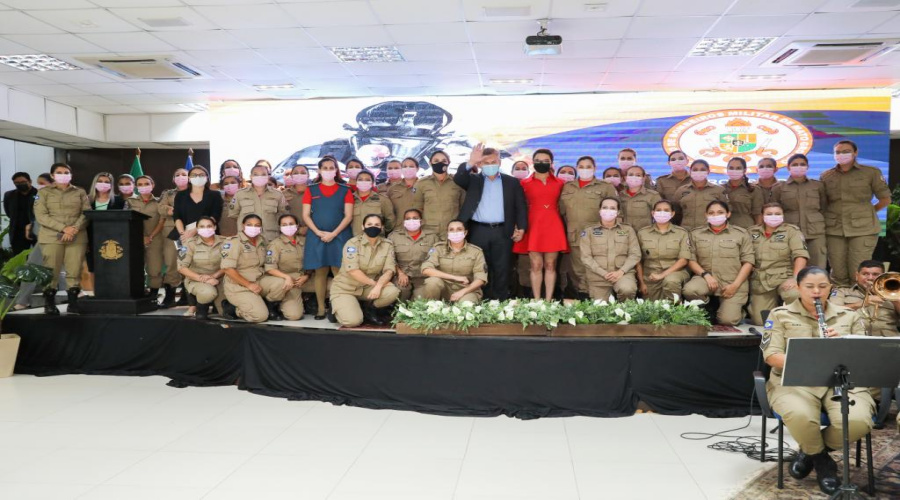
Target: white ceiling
<point x="450" y="47"/>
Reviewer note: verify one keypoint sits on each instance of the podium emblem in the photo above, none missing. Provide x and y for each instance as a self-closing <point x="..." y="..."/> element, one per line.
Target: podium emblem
<point x="111" y="250"/>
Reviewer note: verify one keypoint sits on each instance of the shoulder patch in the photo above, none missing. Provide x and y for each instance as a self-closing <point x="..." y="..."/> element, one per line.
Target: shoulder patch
<point x="226" y="246"/>
<point x="268" y="252"/>
<point x="414" y="190"/>
<point x="769" y="324"/>
<point x="351" y="250"/>
<point x="583" y="233"/>
<point x="430" y="250"/>
<point x="37" y="197"/>
<point x="834" y="293"/>
<point x="755" y="236"/>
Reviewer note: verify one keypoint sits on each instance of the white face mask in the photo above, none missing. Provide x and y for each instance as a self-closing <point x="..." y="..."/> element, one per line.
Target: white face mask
<point x="608" y="215"/>
<point x="798" y="170"/>
<point x="699" y="175"/>
<point x="843" y="158"/>
<point x="773" y="220"/>
<point x="678" y="165"/>
<point x="586" y="174"/>
<point x="198" y="181"/>
<point x="625" y="164"/>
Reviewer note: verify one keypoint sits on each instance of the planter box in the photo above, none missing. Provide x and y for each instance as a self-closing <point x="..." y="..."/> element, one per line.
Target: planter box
<point x="503" y="330"/>
<point x="9" y="348"/>
<point x="629" y="331"/>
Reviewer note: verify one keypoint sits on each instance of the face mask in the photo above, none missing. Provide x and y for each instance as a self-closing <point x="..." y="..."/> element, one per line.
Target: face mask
<point x="39" y="186"/>
<point x="615" y="181"/>
<point x="230" y="189"/>
<point x="412" y="224"/>
<point x="394" y="174"/>
<point x="233" y="172"/>
<point x="608" y="215"/>
<point x="735" y="174"/>
<point x="843" y="158"/>
<point x="773" y="220"/>
<point x="327" y="175"/>
<point x="145" y="189"/>
<point x="353" y="172"/>
<point x="662" y="217"/>
<point x="126" y="189"/>
<point x="490" y="170"/>
<point x="252" y="231"/>
<point x="765" y="172"/>
<point x="372" y="231"/>
<point x="409" y="172"/>
<point x="102" y="187"/>
<point x="586" y="174"/>
<point x="678" y="165"/>
<point x="260" y="180"/>
<point x="181" y="181"/>
<point x="634" y="181"/>
<point x="289" y="230"/>
<point x="62" y="178"/>
<point x="456" y="236"/>
<point x="699" y="175"/>
<point x="206" y="232"/>
<point x="439" y="167"/>
<point x="626" y="164"/>
<point x="520" y="174"/>
<point x="198" y="181"/>
<point x="541" y="167"/>
<point x="799" y="171"/>
<point x="300" y="178"/>
<point x="24" y="187"/>
<point x="288" y="181"/>
<point x="716" y="220"/>
<point x="566" y="177"/>
<point x="364" y="185"/>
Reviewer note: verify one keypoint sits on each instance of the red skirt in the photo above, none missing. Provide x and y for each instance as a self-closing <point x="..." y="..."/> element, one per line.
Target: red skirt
<point x="546" y="232"/>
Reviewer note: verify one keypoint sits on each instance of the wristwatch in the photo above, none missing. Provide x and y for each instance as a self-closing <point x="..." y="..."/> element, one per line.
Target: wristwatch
<point x="704" y="274"/>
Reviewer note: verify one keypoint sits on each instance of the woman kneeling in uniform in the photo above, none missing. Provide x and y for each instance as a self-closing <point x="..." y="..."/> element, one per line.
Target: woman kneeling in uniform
<point x="366" y="269"/>
<point x="284" y="266"/>
<point x="780" y="254"/>
<point x="455" y="271"/>
<point x="666" y="252"/>
<point x="200" y="263"/>
<point x="723" y="261"/>
<point x="411" y="247"/>
<point x="801" y="407"/>
<point x="243" y="258"/>
<point x="610" y="251"/>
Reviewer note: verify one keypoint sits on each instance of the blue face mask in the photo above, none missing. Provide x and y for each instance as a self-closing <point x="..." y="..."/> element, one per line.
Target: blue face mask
<point x="490" y="170"/>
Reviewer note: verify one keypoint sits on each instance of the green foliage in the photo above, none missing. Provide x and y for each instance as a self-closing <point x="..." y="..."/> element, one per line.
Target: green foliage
<point x="892" y="225"/>
<point x="16" y="271"/>
<point x="430" y="315"/>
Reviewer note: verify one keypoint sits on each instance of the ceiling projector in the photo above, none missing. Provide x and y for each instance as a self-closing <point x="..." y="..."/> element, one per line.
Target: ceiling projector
<point x="543" y="44"/>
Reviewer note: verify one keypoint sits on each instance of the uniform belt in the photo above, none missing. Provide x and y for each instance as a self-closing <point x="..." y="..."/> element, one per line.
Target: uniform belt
<point x="488" y="224"/>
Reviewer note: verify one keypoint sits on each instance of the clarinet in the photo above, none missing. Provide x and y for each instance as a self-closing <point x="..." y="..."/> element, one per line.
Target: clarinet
<point x="821" y="313"/>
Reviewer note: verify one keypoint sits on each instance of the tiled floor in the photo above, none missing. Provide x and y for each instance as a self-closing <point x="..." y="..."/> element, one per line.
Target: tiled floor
<point x="95" y="437"/>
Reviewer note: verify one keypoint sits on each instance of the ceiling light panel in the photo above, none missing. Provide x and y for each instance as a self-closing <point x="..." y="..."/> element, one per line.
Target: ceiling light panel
<point x="367" y="54"/>
<point x="712" y="47"/>
<point x="39" y="62"/>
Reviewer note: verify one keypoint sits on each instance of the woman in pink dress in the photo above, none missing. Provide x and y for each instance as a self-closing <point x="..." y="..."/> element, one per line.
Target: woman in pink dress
<point x="546" y="235"/>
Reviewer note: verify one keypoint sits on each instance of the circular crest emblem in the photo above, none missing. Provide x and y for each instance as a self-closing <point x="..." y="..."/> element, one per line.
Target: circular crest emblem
<point x="111" y="250"/>
<point x="750" y="134"/>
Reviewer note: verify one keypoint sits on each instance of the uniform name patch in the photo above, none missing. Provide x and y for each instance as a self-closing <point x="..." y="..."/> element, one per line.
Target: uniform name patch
<point x="351" y="250"/>
<point x="598" y="232"/>
<point x="778" y="237"/>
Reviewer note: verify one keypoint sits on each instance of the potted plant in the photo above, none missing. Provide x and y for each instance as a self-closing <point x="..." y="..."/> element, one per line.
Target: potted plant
<point x="14" y="272"/>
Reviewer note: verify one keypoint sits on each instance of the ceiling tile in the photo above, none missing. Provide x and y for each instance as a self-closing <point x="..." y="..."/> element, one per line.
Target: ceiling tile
<point x="333" y="13"/>
<point x="700" y="78"/>
<point x="387" y="68"/>
<point x="691" y="64"/>
<point x="575" y="9"/>
<point x="81" y="76"/>
<point x="183" y="97"/>
<point x="247" y="16"/>
<point x="139" y="3"/>
<point x="460" y="80"/>
<point x="105" y="89"/>
<point x="84" y="21"/>
<point x="118" y="109"/>
<point x="397" y="91"/>
<point x="348" y="83"/>
<point x="639" y="78"/>
<point x="135" y="99"/>
<point x="227" y="57"/>
<point x="643" y="64"/>
<point x="51" y="90"/>
<point x="84" y="100"/>
<point x="670" y="47"/>
<point x="358" y="36"/>
<point x="508" y="50"/>
<point x="138" y="17"/>
<point x="127" y="42"/>
<point x="10" y="48"/>
<point x="273" y="38"/>
<point x="413" y="34"/>
<point x="19" y="23"/>
<point x="297" y="56"/>
<point x="406" y="12"/>
<point x="754" y="26"/>
<point x="585" y="79"/>
<point x="49" y="4"/>
<point x="19" y="77"/>
<point x="570" y="66"/>
<point x="203" y="85"/>
<point x="892" y="25"/>
<point x="692" y="8"/>
<point x="162" y="108"/>
<point x="768" y="7"/>
<point x="509" y="31"/>
<point x="495" y="67"/>
<point x="589" y="29"/>
<point x="670" y="27"/>
<point x="261" y="72"/>
<point x="200" y="40"/>
<point x="843" y="23"/>
<point x="57" y="44"/>
<point x="474" y="9"/>
<point x="158" y="87"/>
<point x="438" y="51"/>
<point x="326" y="70"/>
<point x="586" y="49"/>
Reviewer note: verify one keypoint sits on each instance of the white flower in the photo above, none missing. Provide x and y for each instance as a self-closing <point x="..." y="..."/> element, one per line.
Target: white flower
<point x="469" y="316"/>
<point x="543" y="306"/>
<point x="612" y="299"/>
<point x="675" y="298"/>
<point x="466" y="305"/>
<point x="554" y="324"/>
<point x="404" y="311"/>
<point x="640" y="301"/>
<point x="622" y="323"/>
<point x="459" y="318"/>
<point x="532" y="314"/>
<point x="456" y="310"/>
<point x="578" y="314"/>
<point x="572" y="321"/>
<point x="599" y="302"/>
<point x="627" y="317"/>
<point x="696" y="303"/>
<point x="511" y="303"/>
<point x="619" y="312"/>
<point x="501" y="316"/>
<point x="666" y="306"/>
<point x="478" y="309"/>
<point x="445" y="311"/>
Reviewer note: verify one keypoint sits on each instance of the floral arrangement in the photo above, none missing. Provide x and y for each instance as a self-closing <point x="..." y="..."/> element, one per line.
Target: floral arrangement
<point x="430" y="315"/>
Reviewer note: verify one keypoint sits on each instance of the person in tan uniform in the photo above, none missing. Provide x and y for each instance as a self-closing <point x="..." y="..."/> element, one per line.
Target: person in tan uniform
<point x="262" y="200"/>
<point x="200" y="263"/>
<point x="367" y="267"/>
<point x="851" y="221"/>
<point x="394" y="173"/>
<point x="172" y="278"/>
<point x="800" y="408"/>
<point x="668" y="184"/>
<point x="694" y="197"/>
<point x="637" y="200"/>
<point x="370" y="202"/>
<point x="354" y="167"/>
<point x="666" y="251"/>
<point x="723" y="261"/>
<point x="411" y="246"/>
<point x="294" y="196"/>
<point x="148" y="205"/>
<point x="765" y="169"/>
<point x="286" y="279"/>
<point x="804" y="203"/>
<point x="745" y="199"/>
<point x="780" y="254"/>
<point x="59" y="210"/>
<point x="402" y="194"/>
<point x="228" y="226"/>
<point x="613" y="175"/>
<point x="610" y="251"/>
<point x="455" y="270"/>
<point x="437" y="196"/>
<point x="243" y="261"/>
<point x="882" y="323"/>
<point x="579" y="204"/>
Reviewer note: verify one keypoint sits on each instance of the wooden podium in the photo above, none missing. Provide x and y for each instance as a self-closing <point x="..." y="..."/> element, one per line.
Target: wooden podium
<point x="118" y="239"/>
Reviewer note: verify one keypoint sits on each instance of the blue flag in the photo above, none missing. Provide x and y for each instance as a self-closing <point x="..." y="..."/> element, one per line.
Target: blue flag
<point x="189" y="164"/>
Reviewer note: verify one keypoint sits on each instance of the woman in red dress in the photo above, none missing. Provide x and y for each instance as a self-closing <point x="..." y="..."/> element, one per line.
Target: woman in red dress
<point x="546" y="236"/>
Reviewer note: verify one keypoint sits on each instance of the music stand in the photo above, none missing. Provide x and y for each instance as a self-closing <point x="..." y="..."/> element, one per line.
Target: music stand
<point x="843" y="363"/>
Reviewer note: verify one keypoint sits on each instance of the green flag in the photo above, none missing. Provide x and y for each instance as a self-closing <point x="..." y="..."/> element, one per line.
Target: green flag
<point x="136" y="170"/>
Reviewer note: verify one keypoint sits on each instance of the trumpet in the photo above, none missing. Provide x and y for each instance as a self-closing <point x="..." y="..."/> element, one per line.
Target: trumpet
<point x="820" y="312"/>
<point x="885" y="286"/>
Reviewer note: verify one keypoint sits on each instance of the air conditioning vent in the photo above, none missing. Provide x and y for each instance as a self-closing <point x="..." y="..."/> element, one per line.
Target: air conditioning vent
<point x="832" y="53"/>
<point x="144" y="68"/>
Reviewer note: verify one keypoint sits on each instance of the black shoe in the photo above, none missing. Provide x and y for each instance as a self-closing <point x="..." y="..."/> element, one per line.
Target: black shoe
<point x="50" y="302"/>
<point x="826" y="473"/>
<point x="801" y="466"/>
<point x="228" y="310"/>
<point x="274" y="312"/>
<point x="202" y="311"/>
<point x="385" y="314"/>
<point x="371" y="316"/>
<point x="191" y="299"/>
<point x="169" y="299"/>
<point x="320" y="317"/>
<point x="73" y="300"/>
<point x="331" y="317"/>
<point x="582" y="296"/>
<point x="184" y="299"/>
<point x="309" y="303"/>
<point x="154" y="294"/>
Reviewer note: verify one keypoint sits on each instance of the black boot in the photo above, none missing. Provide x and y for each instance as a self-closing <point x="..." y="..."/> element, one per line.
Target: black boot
<point x="385" y="314"/>
<point x="801" y="466"/>
<point x="50" y="302"/>
<point x="154" y="294"/>
<point x="371" y="316"/>
<point x="309" y="304"/>
<point x="169" y="299"/>
<point x="826" y="473"/>
<point x="202" y="311"/>
<point x="228" y="310"/>
<point x="73" y="300"/>
<point x="274" y="311"/>
<point x="184" y="299"/>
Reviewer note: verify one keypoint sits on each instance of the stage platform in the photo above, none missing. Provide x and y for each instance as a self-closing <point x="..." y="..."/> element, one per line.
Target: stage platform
<point x="524" y="377"/>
